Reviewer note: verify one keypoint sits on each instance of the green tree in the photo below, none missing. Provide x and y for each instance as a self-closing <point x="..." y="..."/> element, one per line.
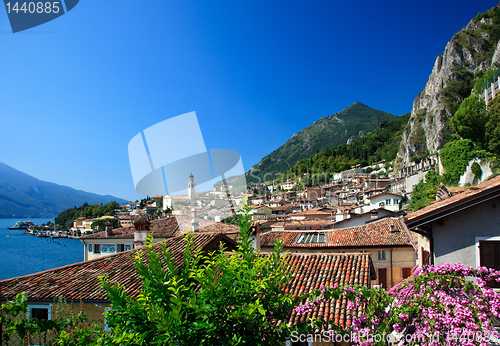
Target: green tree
<point x="216" y="299"/>
<point x="424" y="193"/>
<point x="493" y="127"/>
<point x="233" y="219"/>
<point x="100" y="225"/>
<point x="455" y="157"/>
<point x="470" y="120"/>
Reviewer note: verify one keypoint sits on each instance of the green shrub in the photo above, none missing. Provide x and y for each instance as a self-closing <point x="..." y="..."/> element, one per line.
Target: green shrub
<point x="455" y="157"/>
<point x="424" y="193"/>
<point x="477" y="171"/>
<point x="457" y="90"/>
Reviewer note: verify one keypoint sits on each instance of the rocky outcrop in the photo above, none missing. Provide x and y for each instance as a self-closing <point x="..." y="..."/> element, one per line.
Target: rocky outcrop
<point x="466" y="56"/>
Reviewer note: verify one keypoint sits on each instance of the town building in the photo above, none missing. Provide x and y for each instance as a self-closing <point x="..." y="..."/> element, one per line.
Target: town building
<point x="355" y="219"/>
<point x="388" y="241"/>
<point x="122" y="239"/>
<point x="261" y="212"/>
<point x="463" y="228"/>
<point x="78" y="284"/>
<point x="310" y="214"/>
<point x="301" y="225"/>
<point x="288" y="185"/>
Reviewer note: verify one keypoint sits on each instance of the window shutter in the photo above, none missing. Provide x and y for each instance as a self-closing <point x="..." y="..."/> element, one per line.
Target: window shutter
<point x="487" y="254"/>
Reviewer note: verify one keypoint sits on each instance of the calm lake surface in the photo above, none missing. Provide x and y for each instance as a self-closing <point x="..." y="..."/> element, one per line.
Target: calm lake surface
<point x="22" y="254"/>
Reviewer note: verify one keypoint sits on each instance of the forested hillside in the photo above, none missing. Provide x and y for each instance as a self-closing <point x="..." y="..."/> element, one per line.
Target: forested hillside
<point x="87" y="211"/>
<point x="357" y="119"/>
<point x="381" y="144"/>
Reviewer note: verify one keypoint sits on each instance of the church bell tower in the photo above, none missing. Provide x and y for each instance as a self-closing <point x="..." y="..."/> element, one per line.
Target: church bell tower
<point x="191" y="193"/>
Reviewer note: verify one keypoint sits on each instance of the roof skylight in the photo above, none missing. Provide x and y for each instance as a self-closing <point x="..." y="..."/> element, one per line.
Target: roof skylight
<point x="310" y="238"/>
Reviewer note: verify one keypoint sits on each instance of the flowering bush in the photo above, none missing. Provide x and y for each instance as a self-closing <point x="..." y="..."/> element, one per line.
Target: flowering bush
<point x="212" y="299"/>
<point x="238" y="298"/>
<point x="438" y="305"/>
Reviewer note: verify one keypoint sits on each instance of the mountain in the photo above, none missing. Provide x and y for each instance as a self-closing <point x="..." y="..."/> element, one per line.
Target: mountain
<point x="22" y="195"/>
<point x="469" y="57"/>
<point x="329" y="131"/>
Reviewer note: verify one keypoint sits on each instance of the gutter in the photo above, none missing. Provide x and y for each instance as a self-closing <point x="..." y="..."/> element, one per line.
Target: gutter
<point x="452" y="209"/>
<point x="392" y="281"/>
<point x="78" y="301"/>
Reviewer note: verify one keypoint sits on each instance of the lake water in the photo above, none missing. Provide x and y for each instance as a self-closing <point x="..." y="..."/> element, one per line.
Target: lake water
<point x="22" y="254"/>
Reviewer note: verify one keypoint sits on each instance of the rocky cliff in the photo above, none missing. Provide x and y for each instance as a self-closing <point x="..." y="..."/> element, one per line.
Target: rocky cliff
<point x="467" y="56"/>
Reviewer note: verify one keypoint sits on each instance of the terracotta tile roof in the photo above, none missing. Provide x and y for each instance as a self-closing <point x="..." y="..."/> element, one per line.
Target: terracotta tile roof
<point x="325" y="223"/>
<point x="161" y="228"/>
<point x="168" y="228"/>
<point x="220" y="227"/>
<point x="80" y="280"/>
<point x="311" y="212"/>
<point x="375" y="189"/>
<point x="206" y="226"/>
<point x="310" y="271"/>
<point x="263" y="224"/>
<point x="385" y="193"/>
<point x="474" y="195"/>
<point x="386" y="232"/>
<point x="282" y="207"/>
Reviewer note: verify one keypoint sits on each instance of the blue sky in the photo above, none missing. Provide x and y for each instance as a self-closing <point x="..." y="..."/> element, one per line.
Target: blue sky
<point x="76" y="90"/>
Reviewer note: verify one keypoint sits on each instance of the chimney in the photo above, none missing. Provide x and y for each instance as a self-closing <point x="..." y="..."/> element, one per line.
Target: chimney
<point x="257" y="237"/>
<point x="194" y="222"/>
<point x="393" y="229"/>
<point x="109" y="229"/>
<point x="374" y="215"/>
<point x="141" y="226"/>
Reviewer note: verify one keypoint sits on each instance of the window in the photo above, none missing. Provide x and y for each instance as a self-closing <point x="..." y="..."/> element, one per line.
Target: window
<point x="42" y="312"/>
<point x="489" y="256"/>
<point x="382" y="277"/>
<point x="97" y="248"/>
<point x="405" y="272"/>
<point x="388" y="202"/>
<point x="108" y="248"/>
<point x="120" y="247"/>
<point x="90" y="247"/>
<point x="381" y="255"/>
<point x="106" y="326"/>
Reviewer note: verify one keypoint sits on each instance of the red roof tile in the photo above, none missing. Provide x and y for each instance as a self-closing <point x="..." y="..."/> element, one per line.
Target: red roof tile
<point x="385" y="193"/>
<point x="167" y="228"/>
<point x="80" y="280"/>
<point x="473" y="196"/>
<point x="386" y="232"/>
<point x="311" y="212"/>
<point x="161" y="228"/>
<point x="320" y="222"/>
<point x="311" y="271"/>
